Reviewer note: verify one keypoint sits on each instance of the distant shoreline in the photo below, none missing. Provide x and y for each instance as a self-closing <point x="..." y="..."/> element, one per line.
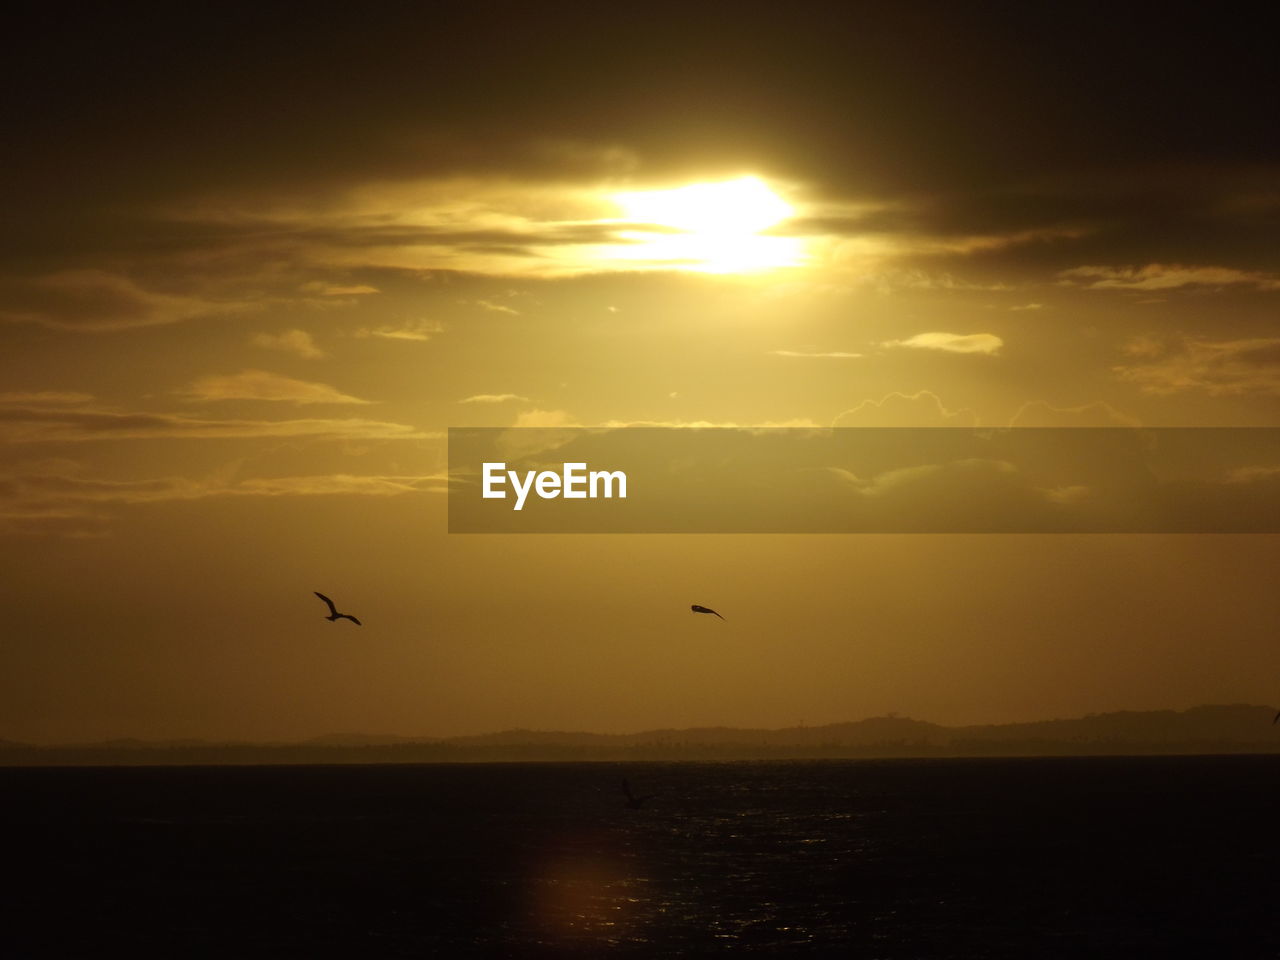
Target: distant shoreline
<point x="1237" y="729"/>
<point x="151" y="761"/>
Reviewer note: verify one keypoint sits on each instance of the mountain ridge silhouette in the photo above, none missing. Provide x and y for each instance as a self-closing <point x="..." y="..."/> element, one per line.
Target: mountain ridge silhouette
<point x="1210" y="728"/>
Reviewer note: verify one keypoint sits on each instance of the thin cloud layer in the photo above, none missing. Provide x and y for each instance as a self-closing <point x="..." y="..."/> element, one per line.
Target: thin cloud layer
<point x="420" y="331"/>
<point x="91" y="299"/>
<point x="830" y="355"/>
<point x="494" y="398"/>
<point x="48" y="425"/>
<point x="497" y="307"/>
<point x="1217" y="368"/>
<point x="263" y="385"/>
<point x="1039" y="413"/>
<point x="57" y="504"/>
<point x="1158" y="276"/>
<point x="46" y="397"/>
<point x="987" y="343"/>
<point x="325" y="289"/>
<point x="297" y="342"/>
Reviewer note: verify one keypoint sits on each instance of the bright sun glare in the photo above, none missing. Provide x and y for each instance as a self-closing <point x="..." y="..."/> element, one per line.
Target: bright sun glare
<point x="708" y="227"/>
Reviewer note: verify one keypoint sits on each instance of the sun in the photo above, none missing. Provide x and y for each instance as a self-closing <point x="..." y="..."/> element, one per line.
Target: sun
<point x="708" y="227"/>
<point x="745" y="205"/>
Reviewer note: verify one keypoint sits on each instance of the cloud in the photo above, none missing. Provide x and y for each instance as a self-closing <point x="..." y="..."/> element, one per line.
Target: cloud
<point x="835" y="355"/>
<point x="491" y="225"/>
<point x="36" y="489"/>
<point x="1158" y="276"/>
<point x="545" y="418"/>
<point x="987" y="243"/>
<point x="986" y="343"/>
<point x="52" y="503"/>
<point x="1038" y="413"/>
<point x="890" y="481"/>
<point x="494" y="398"/>
<point x="1219" y="368"/>
<point x="97" y="300"/>
<point x="42" y="397"/>
<point x="339" y="484"/>
<point x="496" y="307"/>
<point x="325" y="289"/>
<point x="262" y="385"/>
<point x="42" y="425"/>
<point x="61" y="486"/>
<point x="421" y="331"/>
<point x="290" y="341"/>
<point x="45" y="488"/>
<point x="513" y="225"/>
<point x="796" y="423"/>
<point x="1068" y="495"/>
<point x="921" y="409"/>
<point x="1143" y="347"/>
<point x="939" y="227"/>
<point x="977" y="494"/>
<point x="1253" y="475"/>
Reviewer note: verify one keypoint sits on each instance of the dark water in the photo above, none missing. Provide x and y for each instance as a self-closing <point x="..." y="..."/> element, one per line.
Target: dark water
<point x="1123" y="857"/>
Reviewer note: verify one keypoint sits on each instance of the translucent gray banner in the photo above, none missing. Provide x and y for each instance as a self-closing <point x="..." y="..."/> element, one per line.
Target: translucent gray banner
<point x="864" y="480"/>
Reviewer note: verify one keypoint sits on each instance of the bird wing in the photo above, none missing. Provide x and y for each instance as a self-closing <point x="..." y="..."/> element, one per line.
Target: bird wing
<point x="332" y="608"/>
<point x="351" y="618"/>
<point x="1274" y="719"/>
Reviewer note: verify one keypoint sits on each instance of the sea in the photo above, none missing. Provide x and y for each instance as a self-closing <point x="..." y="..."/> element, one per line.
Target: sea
<point x="1136" y="857"/>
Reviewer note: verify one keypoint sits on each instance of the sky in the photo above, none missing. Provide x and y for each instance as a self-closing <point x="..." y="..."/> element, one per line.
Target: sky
<point x="255" y="265"/>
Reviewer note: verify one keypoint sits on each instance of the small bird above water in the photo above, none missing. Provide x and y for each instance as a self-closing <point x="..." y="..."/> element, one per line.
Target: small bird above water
<point x="634" y="802"/>
<point x="334" y="615"/>
<point x="697" y="609"/>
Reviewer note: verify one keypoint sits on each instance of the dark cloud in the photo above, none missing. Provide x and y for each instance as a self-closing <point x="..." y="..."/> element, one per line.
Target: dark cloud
<point x="96" y="300"/>
<point x="1161" y="276"/>
<point x="1012" y="135"/>
<point x="1217" y="368"/>
<point x="882" y="96"/>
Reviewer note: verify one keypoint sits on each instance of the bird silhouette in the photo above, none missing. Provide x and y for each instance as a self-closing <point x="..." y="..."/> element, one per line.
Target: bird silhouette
<point x="697" y="609"/>
<point x="334" y="615"/>
<point x="634" y="802"/>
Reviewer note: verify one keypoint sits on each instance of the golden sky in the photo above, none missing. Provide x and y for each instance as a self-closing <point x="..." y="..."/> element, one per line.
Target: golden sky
<point x="253" y="271"/>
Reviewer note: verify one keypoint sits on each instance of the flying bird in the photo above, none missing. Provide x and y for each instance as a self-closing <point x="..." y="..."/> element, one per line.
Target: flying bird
<point x="333" y="611"/>
<point x="697" y="609"/>
<point x="634" y="802"/>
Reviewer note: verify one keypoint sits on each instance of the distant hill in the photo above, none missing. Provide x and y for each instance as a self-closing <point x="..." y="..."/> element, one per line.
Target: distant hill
<point x="1235" y="728"/>
<point x="363" y="740"/>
